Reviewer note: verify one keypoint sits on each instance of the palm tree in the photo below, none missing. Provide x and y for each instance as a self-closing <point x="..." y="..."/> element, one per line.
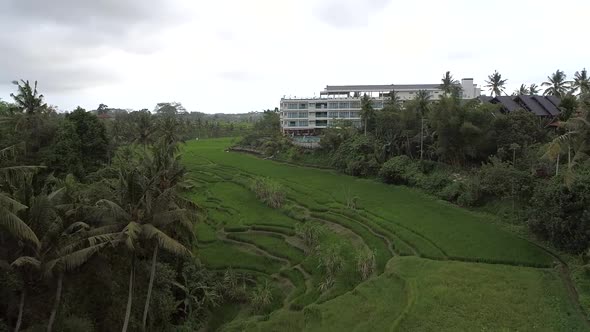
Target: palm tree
<point x="556" y="84"/>
<point x="423" y="103"/>
<point x="393" y="100"/>
<point x="12" y="223"/>
<point x="69" y="243"/>
<point x="147" y="207"/>
<point x="448" y="84"/>
<point x="581" y="82"/>
<point x="574" y="140"/>
<point x="367" y="111"/>
<point x="495" y="83"/>
<point x="534" y="89"/>
<point x="31" y="104"/>
<point x="145" y="128"/>
<point x="26" y="265"/>
<point x="28" y="99"/>
<point x="523" y="90"/>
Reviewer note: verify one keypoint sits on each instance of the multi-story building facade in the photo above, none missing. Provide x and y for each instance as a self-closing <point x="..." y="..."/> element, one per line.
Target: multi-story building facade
<point x="307" y="116"/>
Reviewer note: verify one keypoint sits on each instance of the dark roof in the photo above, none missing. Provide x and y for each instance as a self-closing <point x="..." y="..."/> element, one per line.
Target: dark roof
<point x="554" y="100"/>
<point x="532" y="105"/>
<point x="485" y="99"/>
<point x="547" y="105"/>
<point x="508" y="104"/>
<point x="538" y="105"/>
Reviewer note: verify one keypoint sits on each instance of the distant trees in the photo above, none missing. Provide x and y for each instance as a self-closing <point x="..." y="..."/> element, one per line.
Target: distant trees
<point x="556" y="84"/>
<point x="28" y="99"/>
<point x="522" y="90"/>
<point x="496" y="84"/>
<point x="581" y="83"/>
<point x="449" y="84"/>
<point x="52" y="225"/>
<point x="367" y="113"/>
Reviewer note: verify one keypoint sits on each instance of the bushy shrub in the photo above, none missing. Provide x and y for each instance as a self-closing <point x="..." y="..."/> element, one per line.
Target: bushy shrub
<point x="365" y="263"/>
<point x="261" y="297"/>
<point x="434" y="182"/>
<point x="560" y="213"/>
<point x="297" y="212"/>
<point x="270" y="192"/>
<point x="500" y="179"/>
<point x="310" y="233"/>
<point x="451" y="191"/>
<point x="401" y="170"/>
<point x="356" y="156"/>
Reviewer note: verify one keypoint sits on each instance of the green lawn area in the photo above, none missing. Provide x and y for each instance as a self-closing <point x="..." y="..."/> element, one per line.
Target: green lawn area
<point x="224" y="255"/>
<point x="274" y="245"/>
<point x="416" y="294"/>
<point x="443" y="281"/>
<point x="459" y="233"/>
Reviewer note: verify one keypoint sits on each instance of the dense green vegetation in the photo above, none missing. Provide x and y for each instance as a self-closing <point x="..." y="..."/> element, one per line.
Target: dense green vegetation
<point x="96" y="228"/>
<point x="110" y="222"/>
<point x="401" y="289"/>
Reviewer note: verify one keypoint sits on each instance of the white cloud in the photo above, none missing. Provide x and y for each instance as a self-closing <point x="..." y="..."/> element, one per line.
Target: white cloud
<point x="239" y="56"/>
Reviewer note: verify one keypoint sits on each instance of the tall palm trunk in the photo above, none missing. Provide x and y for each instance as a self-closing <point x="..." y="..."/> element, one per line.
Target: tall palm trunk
<point x="365" y="127"/>
<point x="422" y="138"/>
<point x="130" y="297"/>
<point x="21" y="307"/>
<point x="151" y="284"/>
<point x="60" y="278"/>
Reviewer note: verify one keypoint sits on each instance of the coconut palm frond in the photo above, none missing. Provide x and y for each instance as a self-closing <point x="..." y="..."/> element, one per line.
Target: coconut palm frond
<point x="17" y="227"/>
<point x="553" y="150"/>
<point x="11" y="204"/>
<point x="131" y="232"/>
<point x="110" y="228"/>
<point x="26" y="261"/>
<point x="19" y="174"/>
<point x="164" y="241"/>
<point x="75" y="259"/>
<point x="56" y="194"/>
<point x="179" y="216"/>
<point x="111" y="210"/>
<point x="76" y="227"/>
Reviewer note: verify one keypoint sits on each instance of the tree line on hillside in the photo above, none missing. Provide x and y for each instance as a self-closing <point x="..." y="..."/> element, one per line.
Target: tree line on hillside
<point x="536" y="171"/>
<point x="95" y="229"/>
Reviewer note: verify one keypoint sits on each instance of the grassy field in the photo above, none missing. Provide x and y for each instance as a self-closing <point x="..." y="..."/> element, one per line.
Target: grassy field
<point x="431" y="271"/>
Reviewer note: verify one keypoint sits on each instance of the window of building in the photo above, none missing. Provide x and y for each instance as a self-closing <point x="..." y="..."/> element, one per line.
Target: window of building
<point x="303" y="106"/>
<point x="321" y="114"/>
<point x="292" y="106"/>
<point x="312" y="105"/>
<point x="333" y="105"/>
<point x="321" y="123"/>
<point x="355" y="104"/>
<point x="377" y="104"/>
<point x="333" y="114"/>
<point x="343" y="114"/>
<point x="292" y="115"/>
<point x="343" y="105"/>
<point x="303" y="114"/>
<point x="303" y="123"/>
<point x="292" y="123"/>
<point x="354" y="114"/>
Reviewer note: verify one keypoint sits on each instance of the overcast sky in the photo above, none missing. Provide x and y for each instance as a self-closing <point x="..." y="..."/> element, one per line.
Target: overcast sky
<point x="238" y="56"/>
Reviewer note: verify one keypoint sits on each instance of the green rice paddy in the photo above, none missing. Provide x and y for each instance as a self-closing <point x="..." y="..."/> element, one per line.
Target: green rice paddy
<point x="438" y="267"/>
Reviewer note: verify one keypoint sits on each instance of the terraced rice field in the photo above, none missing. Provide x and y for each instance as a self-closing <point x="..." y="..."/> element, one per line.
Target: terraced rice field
<point x="438" y="267"/>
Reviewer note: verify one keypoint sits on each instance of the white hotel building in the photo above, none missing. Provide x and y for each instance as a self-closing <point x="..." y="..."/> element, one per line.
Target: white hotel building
<point x="307" y="116"/>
